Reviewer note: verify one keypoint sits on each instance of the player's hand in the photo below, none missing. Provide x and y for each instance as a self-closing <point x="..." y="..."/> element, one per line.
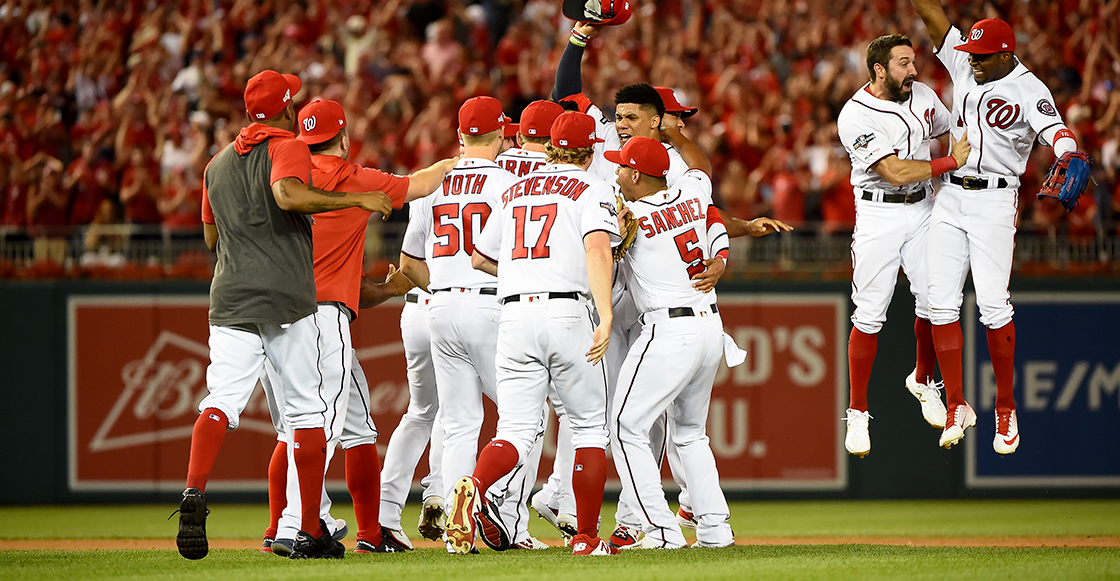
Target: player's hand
<point x="377" y="202"/>
<point x="599" y="343"/>
<point x="960" y="149"/>
<point x="397" y="282"/>
<point x="713" y="270"/>
<point x="588" y="29"/>
<point x="449" y="164"/>
<point x="763" y="226"/>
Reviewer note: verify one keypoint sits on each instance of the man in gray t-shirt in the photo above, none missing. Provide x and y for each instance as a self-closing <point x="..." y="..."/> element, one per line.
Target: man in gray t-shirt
<point x="256" y="193"/>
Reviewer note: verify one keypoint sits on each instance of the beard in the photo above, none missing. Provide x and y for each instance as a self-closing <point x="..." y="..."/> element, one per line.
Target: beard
<point x="895" y="89"/>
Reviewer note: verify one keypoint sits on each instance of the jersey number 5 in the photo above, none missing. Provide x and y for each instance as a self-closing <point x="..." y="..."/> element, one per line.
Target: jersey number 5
<point x="547" y="213"/>
<point x="688" y="244"/>
<point x="447" y="233"/>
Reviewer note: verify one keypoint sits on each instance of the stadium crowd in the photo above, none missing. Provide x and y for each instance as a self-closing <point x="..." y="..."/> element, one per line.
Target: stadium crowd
<point x="110" y="109"/>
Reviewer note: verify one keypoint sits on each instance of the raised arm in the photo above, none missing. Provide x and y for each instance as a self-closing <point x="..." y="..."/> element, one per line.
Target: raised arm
<point x="690" y="152"/>
<point x="937" y="23"/>
<point x="293" y="195"/>
<point x="569" y="73"/>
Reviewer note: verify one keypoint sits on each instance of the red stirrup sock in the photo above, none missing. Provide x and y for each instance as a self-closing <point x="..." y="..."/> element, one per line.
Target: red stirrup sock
<point x="926" y="358"/>
<point x="861" y="356"/>
<point x="497" y="459"/>
<point x="310" y="454"/>
<point x="277" y="487"/>
<point x="363" y="480"/>
<point x="589" y="476"/>
<point x="949" y="343"/>
<point x="1001" y="347"/>
<point x="206" y="439"/>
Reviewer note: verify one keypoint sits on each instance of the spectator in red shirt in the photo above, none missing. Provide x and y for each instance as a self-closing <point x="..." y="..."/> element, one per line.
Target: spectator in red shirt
<point x="89" y="180"/>
<point x="140" y="188"/>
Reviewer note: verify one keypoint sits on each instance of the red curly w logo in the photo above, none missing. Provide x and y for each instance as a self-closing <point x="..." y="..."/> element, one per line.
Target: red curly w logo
<point x="1001" y="115"/>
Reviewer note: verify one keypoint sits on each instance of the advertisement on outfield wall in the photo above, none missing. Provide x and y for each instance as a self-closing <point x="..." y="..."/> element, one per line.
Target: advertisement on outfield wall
<point x="137" y="370"/>
<point x="1067" y="394"/>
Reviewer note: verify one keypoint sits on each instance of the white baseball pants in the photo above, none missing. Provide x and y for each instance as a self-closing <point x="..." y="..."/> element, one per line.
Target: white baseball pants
<point x="417" y="426"/>
<point x="671" y="367"/>
<point x="972" y="229"/>
<point x="888" y="236"/>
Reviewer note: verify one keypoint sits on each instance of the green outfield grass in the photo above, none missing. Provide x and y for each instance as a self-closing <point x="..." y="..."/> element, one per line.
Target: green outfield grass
<point x="833" y="562"/>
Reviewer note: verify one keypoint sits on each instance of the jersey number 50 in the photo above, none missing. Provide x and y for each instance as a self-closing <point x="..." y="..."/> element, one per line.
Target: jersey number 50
<point x="447" y="233"/>
<point x="547" y="213"/>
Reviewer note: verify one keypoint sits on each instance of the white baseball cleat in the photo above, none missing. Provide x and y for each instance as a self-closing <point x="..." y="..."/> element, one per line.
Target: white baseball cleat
<point x="686" y="519"/>
<point x="433" y="520"/>
<point x="565" y="523"/>
<point x="959" y="419"/>
<point x="650" y="542"/>
<point x="929" y="394"/>
<point x="532" y="543"/>
<point x="1007" y="432"/>
<point x="858" y="440"/>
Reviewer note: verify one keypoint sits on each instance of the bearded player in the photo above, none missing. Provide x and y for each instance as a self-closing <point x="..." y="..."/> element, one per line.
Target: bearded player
<point x="886" y="127"/>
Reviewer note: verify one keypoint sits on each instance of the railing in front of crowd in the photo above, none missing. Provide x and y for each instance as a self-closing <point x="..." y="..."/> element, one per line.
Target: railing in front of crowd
<point x="142" y="251"/>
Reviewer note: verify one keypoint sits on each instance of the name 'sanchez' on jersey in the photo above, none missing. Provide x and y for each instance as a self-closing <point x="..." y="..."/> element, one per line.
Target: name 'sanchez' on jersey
<point x="562" y="185"/>
<point x="670" y="217"/>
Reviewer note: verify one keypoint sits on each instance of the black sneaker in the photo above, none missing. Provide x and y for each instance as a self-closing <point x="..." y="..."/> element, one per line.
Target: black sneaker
<point x="192" y="525"/>
<point x="390" y="543"/>
<point x="324" y="547"/>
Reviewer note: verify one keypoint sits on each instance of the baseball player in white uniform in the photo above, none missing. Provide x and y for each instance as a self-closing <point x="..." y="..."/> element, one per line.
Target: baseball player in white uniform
<point x="886" y="128"/>
<point x="1004" y="109"/>
<point x="532" y="138"/>
<point x="547" y="325"/>
<point x="464" y="310"/>
<point x="672" y="364"/>
<point x="418" y="427"/>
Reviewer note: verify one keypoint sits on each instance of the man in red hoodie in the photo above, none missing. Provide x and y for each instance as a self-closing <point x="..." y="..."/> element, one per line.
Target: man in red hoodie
<point x="262" y="301"/>
<point x="339" y="245"/>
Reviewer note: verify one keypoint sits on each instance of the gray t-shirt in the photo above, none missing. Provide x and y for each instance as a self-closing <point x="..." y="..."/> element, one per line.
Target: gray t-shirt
<point x="264" y="272"/>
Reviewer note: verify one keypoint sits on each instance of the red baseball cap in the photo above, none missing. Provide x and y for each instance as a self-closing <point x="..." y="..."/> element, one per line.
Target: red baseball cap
<point x="988" y="36"/>
<point x="538" y="117"/>
<point x="320" y="120"/>
<point x="611" y="12"/>
<point x="572" y="130"/>
<point x="268" y="93"/>
<point x="672" y="105"/>
<point x="646" y="155"/>
<point x="510" y="128"/>
<point x="481" y="115"/>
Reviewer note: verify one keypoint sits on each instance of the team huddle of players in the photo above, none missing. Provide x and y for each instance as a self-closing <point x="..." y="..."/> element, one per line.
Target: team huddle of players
<point x="523" y="296"/>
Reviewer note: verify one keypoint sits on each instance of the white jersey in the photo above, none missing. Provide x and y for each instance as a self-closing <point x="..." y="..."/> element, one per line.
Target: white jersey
<point x="1003" y="117"/>
<point x="521" y="162"/>
<point x="447" y="223"/>
<point x="673" y="240"/>
<point x="606" y="169"/>
<point x="538" y="240"/>
<point x="872" y="129"/>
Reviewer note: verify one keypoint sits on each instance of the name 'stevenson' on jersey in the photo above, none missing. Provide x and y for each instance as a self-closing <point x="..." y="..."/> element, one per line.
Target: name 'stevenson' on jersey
<point x="569" y="187"/>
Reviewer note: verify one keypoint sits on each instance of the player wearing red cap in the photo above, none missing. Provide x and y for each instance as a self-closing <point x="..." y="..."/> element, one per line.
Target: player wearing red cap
<point x="262" y="300"/>
<point x="464" y="310"/>
<point x="546" y="325"/>
<point x="339" y="245"/>
<point x="672" y="364"/>
<point x="532" y="138"/>
<point x="1005" y="109"/>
